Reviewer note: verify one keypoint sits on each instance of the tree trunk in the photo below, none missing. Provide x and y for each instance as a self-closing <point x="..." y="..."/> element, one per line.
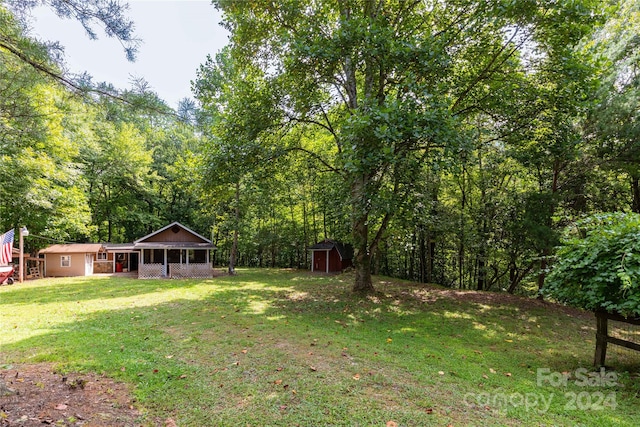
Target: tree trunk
<point x="362" y="257"/>
<point x="635" y="190"/>
<point x="360" y="227"/>
<point x="543" y="271"/>
<point x="482" y="272"/>
<point x="234" y="248"/>
<point x="546" y="251"/>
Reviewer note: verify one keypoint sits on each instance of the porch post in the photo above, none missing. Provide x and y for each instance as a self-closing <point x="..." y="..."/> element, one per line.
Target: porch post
<point x="166" y="264"/>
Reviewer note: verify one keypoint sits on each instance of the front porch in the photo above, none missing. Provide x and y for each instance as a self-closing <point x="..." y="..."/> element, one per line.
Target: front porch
<point x="159" y="263"/>
<point x="174" y="252"/>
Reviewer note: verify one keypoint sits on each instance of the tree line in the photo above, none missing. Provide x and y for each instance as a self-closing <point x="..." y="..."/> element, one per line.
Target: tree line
<point x="448" y="142"/>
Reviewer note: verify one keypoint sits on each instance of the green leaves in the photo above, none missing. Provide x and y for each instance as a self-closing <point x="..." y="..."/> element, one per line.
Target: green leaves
<point x="598" y="265"/>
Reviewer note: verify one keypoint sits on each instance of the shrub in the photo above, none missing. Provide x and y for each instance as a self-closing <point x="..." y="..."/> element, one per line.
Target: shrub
<point x="598" y="265"/>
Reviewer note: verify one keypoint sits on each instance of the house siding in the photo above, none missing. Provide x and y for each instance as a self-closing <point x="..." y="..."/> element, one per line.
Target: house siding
<point x="53" y="269"/>
<point x="169" y="236"/>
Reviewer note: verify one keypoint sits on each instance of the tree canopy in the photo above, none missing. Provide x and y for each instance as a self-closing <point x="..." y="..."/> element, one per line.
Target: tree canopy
<point x="448" y="142"/>
<point x="395" y="85"/>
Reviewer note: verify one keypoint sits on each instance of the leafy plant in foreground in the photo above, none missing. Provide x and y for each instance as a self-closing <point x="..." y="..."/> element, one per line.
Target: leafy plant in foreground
<point x="598" y="265"/>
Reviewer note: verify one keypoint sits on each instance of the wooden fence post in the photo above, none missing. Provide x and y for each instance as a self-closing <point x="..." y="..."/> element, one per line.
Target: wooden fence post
<point x="601" y="339"/>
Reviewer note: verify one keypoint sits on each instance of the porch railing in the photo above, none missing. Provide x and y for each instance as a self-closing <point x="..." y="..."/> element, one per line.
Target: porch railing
<point x="191" y="271"/>
<point x="176" y="271"/>
<point x="150" y="271"/>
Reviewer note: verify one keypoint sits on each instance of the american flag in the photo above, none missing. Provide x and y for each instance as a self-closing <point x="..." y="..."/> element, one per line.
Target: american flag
<point x="6" y="240"/>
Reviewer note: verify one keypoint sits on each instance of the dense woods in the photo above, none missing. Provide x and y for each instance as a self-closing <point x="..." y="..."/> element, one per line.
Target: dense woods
<point x="450" y="142"/>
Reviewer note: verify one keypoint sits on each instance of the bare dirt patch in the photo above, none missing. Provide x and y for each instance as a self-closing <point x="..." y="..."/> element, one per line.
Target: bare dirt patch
<point x="36" y="395"/>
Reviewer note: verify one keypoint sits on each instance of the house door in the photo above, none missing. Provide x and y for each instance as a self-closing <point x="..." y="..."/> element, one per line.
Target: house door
<point x="133" y="261"/>
<point x="88" y="264"/>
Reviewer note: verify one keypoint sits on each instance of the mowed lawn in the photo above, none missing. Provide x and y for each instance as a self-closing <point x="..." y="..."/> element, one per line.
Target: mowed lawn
<point x="287" y="348"/>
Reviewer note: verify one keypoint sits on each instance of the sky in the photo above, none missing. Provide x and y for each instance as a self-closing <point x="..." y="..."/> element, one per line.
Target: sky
<point x="176" y="37"/>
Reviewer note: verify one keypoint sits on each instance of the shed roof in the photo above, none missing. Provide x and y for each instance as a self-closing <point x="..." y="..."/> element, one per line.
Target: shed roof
<point x="345" y="250"/>
<point x="73" y="248"/>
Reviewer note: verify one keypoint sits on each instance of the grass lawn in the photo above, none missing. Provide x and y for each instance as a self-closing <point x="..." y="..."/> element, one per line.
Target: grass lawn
<point x="286" y="348"/>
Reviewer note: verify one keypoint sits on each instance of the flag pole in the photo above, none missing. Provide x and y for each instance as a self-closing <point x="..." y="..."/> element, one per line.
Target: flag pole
<point x="23" y="232"/>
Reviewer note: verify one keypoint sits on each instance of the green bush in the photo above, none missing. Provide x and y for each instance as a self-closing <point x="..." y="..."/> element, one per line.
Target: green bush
<point x="598" y="265"/>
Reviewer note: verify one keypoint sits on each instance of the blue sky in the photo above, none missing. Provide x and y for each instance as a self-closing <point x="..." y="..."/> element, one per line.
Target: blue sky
<point x="176" y="37"/>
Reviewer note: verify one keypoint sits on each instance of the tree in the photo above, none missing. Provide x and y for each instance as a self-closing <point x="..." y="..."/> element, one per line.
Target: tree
<point x="238" y="103"/>
<point x="47" y="58"/>
<point x="42" y="185"/>
<point x="388" y="82"/>
<point x="614" y="122"/>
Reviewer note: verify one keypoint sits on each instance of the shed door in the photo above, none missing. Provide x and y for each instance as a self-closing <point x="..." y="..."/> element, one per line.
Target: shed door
<point x="319" y="261"/>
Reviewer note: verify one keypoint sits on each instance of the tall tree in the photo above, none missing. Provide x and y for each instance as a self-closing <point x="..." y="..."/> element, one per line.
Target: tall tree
<point x="614" y="122"/>
<point x="238" y="104"/>
<point x="388" y="81"/>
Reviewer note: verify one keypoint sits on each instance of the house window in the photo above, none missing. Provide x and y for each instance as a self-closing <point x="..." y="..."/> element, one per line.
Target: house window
<point x="102" y="256"/>
<point x="65" y="261"/>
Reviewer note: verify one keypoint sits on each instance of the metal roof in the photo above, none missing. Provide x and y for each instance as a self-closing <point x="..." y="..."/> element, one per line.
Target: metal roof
<point x="119" y="247"/>
<point x="73" y="248"/>
<point x="345" y="250"/>
<point x="174" y="245"/>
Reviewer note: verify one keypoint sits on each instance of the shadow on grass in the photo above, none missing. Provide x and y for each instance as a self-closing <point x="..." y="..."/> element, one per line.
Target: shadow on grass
<point x="253" y="324"/>
<point x="86" y="288"/>
<point x="434" y="318"/>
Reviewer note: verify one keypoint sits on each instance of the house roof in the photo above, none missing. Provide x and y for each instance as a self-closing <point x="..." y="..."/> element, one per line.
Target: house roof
<point x="174" y="245"/>
<point x="162" y="239"/>
<point x="119" y="247"/>
<point x="345" y="250"/>
<point x="73" y="248"/>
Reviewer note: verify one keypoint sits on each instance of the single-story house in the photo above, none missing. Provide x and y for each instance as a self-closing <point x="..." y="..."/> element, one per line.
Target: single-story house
<point x="174" y="251"/>
<point x="330" y="256"/>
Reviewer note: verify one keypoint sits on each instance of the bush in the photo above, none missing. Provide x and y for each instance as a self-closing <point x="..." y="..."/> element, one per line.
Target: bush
<point x="598" y="265"/>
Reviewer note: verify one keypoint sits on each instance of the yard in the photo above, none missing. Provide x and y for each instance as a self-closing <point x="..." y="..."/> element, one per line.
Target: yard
<point x="286" y="348"/>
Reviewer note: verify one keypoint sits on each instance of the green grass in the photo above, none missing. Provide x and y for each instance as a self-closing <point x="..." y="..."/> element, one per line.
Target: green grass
<point x="282" y="348"/>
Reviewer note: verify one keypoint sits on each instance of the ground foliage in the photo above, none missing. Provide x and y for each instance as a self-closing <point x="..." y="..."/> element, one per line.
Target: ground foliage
<point x="36" y="395"/>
